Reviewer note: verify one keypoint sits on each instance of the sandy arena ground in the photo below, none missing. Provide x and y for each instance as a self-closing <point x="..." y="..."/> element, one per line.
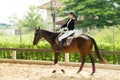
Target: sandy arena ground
<point x="10" y="71"/>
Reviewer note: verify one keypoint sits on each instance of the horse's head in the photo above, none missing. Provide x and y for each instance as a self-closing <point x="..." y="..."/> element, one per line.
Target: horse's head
<point x="37" y="36"/>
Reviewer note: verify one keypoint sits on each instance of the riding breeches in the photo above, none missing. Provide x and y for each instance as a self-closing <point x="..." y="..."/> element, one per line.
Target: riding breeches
<point x="66" y="34"/>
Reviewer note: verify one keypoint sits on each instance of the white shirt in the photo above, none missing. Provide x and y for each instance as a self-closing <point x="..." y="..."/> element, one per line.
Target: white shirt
<point x="68" y="22"/>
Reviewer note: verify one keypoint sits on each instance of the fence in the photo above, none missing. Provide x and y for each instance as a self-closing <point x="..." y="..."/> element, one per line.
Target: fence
<point x="14" y="59"/>
<point x="15" y="53"/>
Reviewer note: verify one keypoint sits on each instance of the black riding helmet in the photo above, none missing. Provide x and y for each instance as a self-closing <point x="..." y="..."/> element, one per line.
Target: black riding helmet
<point x="72" y="13"/>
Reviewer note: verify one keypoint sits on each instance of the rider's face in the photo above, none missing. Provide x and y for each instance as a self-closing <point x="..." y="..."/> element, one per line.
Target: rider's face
<point x="70" y="16"/>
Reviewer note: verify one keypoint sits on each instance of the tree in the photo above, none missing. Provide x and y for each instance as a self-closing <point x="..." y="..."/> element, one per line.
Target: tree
<point x="32" y="19"/>
<point x="96" y="12"/>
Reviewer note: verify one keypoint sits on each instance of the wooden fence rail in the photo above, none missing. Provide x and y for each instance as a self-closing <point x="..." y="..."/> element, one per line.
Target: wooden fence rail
<point x="47" y="50"/>
<point x="65" y="63"/>
<point x="14" y="52"/>
<point x="26" y="49"/>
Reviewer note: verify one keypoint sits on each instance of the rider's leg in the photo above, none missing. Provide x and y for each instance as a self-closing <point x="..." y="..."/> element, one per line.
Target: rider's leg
<point x="60" y="41"/>
<point x="66" y="34"/>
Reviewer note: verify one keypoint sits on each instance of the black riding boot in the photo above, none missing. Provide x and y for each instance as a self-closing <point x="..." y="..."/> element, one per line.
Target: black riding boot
<point x="60" y="47"/>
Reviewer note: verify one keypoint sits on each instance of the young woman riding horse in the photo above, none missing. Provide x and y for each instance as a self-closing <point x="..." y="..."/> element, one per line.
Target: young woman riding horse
<point x="83" y="44"/>
<point x="69" y="25"/>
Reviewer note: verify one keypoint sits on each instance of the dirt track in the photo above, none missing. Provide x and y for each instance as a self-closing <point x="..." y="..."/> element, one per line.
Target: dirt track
<point x="10" y="71"/>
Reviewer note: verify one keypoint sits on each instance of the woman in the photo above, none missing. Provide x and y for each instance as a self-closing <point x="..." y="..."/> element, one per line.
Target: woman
<point x="69" y="25"/>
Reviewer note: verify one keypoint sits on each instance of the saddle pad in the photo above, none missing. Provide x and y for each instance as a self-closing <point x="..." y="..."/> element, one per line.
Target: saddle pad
<point x="68" y="41"/>
<point x="84" y="37"/>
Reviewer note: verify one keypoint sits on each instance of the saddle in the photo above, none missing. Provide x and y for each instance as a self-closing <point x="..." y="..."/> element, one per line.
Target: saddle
<point x="67" y="41"/>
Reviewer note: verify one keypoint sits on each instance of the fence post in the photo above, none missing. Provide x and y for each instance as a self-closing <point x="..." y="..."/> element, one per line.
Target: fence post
<point x="66" y="57"/>
<point x="14" y="55"/>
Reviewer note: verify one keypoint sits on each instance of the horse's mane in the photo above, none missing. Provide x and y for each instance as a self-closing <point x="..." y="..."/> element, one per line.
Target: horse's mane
<point x="52" y="35"/>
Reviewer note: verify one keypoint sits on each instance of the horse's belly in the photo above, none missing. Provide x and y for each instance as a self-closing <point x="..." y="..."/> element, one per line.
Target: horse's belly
<point x="69" y="49"/>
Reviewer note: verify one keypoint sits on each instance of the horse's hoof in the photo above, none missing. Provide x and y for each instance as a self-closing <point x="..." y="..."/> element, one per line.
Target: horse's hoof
<point x="63" y="71"/>
<point x="54" y="71"/>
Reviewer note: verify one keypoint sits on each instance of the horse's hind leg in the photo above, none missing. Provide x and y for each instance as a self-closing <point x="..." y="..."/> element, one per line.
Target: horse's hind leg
<point x="91" y="58"/>
<point x="93" y="64"/>
<point x="82" y="63"/>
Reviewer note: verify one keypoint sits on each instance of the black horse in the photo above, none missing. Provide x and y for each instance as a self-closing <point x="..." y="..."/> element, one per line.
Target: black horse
<point x="82" y="44"/>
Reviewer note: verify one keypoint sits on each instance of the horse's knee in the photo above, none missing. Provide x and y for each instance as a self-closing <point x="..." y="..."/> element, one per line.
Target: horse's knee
<point x="56" y="58"/>
<point x="55" y="61"/>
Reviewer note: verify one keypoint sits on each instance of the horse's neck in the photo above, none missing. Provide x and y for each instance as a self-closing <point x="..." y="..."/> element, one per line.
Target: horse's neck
<point x="47" y="35"/>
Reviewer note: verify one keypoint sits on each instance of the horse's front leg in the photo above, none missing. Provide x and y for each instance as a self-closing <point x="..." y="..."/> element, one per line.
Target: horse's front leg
<point x="57" y="66"/>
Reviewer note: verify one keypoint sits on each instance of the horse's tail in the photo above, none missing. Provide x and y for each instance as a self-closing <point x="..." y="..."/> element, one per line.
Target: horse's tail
<point x="102" y="60"/>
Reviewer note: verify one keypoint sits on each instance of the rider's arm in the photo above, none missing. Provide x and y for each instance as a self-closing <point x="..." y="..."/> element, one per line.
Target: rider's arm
<point x="65" y="25"/>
